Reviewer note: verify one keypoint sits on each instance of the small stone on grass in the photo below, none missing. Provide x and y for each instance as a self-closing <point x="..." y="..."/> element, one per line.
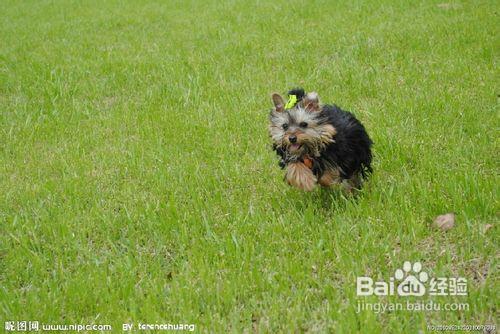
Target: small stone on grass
<point x="445" y="222"/>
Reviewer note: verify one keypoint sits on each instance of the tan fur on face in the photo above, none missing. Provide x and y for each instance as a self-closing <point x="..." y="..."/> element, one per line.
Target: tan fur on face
<point x="316" y="136"/>
<point x="300" y="176"/>
<point x="299" y="134"/>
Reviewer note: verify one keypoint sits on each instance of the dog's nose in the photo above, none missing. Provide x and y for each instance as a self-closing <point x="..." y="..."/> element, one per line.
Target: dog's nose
<point x="292" y="139"/>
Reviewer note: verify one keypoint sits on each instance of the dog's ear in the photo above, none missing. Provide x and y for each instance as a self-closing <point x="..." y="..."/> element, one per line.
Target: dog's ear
<point x="311" y="102"/>
<point x="278" y="101"/>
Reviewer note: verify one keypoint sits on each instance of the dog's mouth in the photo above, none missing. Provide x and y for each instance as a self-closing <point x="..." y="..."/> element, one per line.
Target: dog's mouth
<point x="294" y="147"/>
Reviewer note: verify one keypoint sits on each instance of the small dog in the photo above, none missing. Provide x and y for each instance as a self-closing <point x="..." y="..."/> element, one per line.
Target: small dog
<point x="319" y="143"/>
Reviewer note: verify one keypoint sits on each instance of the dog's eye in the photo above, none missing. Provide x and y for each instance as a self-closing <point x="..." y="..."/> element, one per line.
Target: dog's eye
<point x="285" y="126"/>
<point x="303" y="124"/>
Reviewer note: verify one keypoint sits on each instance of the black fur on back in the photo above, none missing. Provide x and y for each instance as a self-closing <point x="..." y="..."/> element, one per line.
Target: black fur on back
<point x="351" y="151"/>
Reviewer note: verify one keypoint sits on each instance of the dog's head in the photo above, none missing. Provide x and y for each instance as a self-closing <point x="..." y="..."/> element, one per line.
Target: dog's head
<point x="298" y="127"/>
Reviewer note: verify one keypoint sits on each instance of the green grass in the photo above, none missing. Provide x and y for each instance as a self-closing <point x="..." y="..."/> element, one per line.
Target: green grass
<point x="138" y="185"/>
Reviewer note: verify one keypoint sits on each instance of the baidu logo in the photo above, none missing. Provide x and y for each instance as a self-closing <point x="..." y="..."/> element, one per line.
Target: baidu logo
<point x="411" y="280"/>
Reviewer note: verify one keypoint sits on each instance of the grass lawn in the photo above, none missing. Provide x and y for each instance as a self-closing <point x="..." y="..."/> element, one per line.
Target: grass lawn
<point x="138" y="185"/>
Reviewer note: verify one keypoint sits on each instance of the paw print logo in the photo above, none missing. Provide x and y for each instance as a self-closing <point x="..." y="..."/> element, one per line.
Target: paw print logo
<point x="413" y="279"/>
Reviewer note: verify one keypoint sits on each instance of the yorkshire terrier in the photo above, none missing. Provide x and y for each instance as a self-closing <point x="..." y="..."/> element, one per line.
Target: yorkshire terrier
<point x="319" y="143"/>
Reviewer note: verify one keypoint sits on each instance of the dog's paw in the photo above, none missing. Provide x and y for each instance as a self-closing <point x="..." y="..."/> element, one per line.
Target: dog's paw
<point x="330" y="177"/>
<point x="300" y="176"/>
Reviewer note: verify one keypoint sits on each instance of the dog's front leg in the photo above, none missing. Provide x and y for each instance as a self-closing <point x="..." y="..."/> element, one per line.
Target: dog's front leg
<point x="300" y="176"/>
<point x="330" y="177"/>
